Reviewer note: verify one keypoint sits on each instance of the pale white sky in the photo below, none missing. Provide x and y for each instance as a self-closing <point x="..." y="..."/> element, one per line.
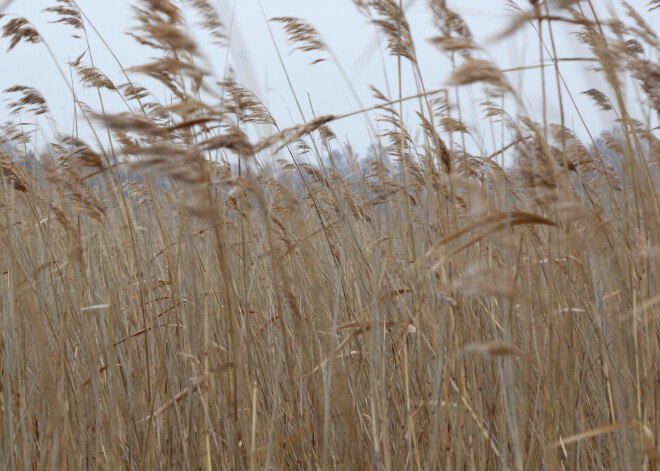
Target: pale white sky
<point x="253" y="56"/>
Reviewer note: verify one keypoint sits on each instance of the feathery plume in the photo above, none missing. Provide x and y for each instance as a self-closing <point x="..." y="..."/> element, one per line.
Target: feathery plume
<point x="479" y="70"/>
<point x="301" y="35"/>
<point x="30" y="101"/>
<point x="210" y="20"/>
<point x="20" y="29"/>
<point x="67" y="13"/>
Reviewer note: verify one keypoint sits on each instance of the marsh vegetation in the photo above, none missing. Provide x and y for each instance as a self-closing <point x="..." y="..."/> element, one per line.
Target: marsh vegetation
<point x="180" y="292"/>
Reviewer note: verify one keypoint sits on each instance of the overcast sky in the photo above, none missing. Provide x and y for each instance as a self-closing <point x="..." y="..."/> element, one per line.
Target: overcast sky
<point x="254" y="58"/>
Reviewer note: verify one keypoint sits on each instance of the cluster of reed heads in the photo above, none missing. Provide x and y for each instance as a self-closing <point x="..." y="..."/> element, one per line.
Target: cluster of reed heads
<point x="177" y="293"/>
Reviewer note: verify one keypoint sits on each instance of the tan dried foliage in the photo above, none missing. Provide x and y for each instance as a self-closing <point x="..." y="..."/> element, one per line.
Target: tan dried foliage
<point x="31" y="100"/>
<point x="19" y="29"/>
<point x="302" y="36"/>
<point x="182" y="292"/>
<point x="479" y="70"/>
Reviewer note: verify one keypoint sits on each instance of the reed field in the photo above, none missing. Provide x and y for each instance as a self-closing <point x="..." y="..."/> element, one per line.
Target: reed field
<point x="180" y="291"/>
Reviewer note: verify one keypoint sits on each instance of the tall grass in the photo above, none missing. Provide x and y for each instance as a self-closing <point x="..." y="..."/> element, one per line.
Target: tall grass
<point x="177" y="294"/>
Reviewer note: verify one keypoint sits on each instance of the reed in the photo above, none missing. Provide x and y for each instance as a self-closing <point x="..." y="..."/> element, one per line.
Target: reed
<point x="177" y="293"/>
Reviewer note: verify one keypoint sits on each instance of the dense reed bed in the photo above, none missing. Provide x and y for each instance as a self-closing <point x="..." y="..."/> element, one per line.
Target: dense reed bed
<point x="179" y="294"/>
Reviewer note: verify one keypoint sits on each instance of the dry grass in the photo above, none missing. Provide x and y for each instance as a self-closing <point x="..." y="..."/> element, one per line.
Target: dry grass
<point x="173" y="296"/>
